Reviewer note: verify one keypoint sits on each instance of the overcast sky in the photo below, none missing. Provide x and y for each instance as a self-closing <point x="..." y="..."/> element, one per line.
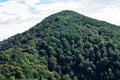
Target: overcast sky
<point x="17" y="16"/>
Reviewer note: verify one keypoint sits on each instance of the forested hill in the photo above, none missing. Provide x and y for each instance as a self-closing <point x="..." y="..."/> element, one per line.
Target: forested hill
<point x="64" y="46"/>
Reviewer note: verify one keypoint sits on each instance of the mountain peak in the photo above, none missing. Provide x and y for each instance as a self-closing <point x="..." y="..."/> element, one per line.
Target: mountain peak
<point x="64" y="46"/>
<point x="70" y="16"/>
<point x="67" y="12"/>
<point x="63" y="13"/>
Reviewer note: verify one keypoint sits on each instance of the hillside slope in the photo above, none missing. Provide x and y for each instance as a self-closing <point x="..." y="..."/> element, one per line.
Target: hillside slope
<point x="64" y="46"/>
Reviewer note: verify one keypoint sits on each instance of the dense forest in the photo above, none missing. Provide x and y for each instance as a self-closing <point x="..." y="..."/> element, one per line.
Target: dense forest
<point x="64" y="46"/>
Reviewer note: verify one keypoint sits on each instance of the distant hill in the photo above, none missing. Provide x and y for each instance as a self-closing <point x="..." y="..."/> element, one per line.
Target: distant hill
<point x="64" y="46"/>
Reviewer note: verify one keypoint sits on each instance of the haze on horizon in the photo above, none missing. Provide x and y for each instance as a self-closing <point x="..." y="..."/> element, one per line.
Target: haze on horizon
<point x="17" y="16"/>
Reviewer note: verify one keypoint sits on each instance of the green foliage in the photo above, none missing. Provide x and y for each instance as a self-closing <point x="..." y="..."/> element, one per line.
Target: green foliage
<point x="64" y="46"/>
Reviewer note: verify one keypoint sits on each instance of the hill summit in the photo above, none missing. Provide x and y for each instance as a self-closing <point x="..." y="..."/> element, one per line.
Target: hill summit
<point x="64" y="46"/>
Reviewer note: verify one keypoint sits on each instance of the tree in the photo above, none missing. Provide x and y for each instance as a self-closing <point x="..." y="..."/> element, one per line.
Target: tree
<point x="52" y="63"/>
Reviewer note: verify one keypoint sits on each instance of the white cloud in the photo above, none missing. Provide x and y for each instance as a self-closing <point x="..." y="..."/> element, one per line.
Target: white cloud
<point x="108" y="13"/>
<point x="17" y="16"/>
<point x="11" y="29"/>
<point x="13" y="11"/>
<point x="32" y="3"/>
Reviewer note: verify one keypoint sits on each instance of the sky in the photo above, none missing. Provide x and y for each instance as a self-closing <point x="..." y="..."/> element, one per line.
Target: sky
<point x="17" y="16"/>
